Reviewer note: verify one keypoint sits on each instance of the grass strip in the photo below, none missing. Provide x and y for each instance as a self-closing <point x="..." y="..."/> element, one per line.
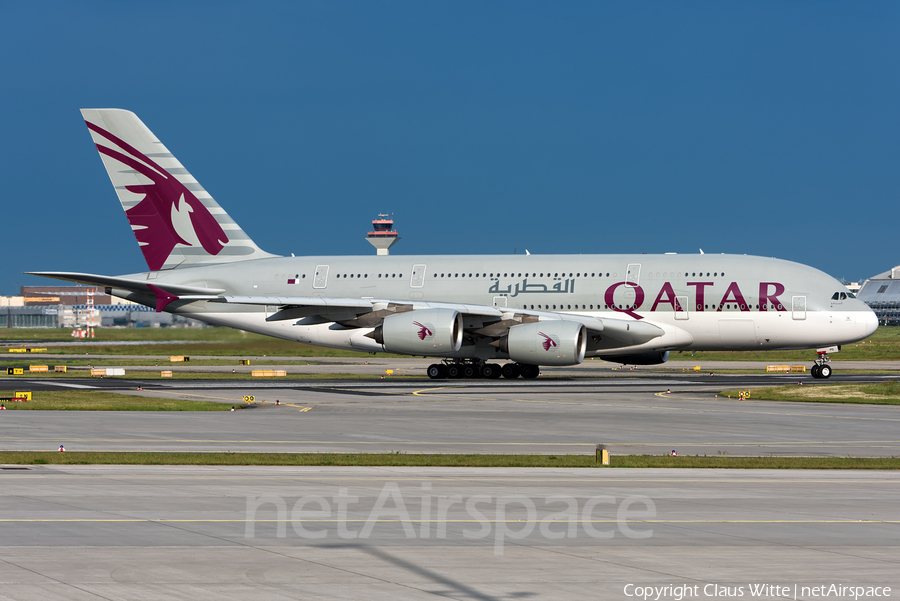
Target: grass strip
<point x="189" y="374"/>
<point x="93" y="400"/>
<point x="885" y="393"/>
<point x="883" y="345"/>
<point x="436" y="460"/>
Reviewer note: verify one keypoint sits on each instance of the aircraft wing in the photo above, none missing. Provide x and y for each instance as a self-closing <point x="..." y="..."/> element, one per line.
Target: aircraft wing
<point x="482" y="320"/>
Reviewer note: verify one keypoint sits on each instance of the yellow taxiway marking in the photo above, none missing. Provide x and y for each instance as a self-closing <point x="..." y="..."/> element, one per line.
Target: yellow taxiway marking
<point x="424" y="390"/>
<point x="199" y="396"/>
<point x="220" y="398"/>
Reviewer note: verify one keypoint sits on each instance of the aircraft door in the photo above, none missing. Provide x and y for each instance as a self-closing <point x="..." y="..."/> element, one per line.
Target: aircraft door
<point x="681" y="307"/>
<point x="633" y="275"/>
<point x="321" y="278"/>
<point x="417" y="279"/>
<point x="798" y="307"/>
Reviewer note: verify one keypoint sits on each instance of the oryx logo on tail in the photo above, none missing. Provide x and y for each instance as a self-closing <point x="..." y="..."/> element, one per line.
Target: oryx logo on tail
<point x="169" y="214"/>
<point x="548" y="342"/>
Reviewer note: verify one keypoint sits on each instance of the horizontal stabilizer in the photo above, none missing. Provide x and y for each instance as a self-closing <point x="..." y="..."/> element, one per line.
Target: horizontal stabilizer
<point x="140" y="286"/>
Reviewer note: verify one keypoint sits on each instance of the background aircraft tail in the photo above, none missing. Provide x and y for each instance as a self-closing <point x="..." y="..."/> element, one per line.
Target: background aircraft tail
<point x="176" y="222"/>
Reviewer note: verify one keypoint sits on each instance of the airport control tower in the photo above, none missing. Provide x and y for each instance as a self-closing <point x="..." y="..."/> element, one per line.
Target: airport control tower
<point x="384" y="235"/>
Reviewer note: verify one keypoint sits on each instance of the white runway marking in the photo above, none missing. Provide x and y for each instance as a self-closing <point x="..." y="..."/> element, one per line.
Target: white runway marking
<point x="63" y="384"/>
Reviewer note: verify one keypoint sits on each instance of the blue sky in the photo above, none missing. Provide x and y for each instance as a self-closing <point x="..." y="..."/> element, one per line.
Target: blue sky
<point x="766" y="128"/>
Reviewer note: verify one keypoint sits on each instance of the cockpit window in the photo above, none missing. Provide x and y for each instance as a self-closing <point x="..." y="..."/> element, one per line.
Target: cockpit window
<point x="843" y="296"/>
<point x="835" y="296"/>
<point x="851" y="295"/>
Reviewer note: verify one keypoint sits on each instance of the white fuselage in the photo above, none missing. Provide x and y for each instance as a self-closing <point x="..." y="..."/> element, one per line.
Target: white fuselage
<point x="702" y="302"/>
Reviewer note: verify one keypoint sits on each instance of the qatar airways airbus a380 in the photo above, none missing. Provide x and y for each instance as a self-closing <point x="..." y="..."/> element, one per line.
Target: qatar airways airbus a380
<point x="465" y="310"/>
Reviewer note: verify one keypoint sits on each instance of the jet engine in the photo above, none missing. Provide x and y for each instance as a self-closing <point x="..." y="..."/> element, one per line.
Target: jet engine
<point x="654" y="358"/>
<point x="424" y="332"/>
<point x="556" y="342"/>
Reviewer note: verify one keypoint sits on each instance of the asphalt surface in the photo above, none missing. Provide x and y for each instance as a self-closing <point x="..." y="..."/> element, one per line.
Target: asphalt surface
<point x="117" y="532"/>
<point x="633" y="414"/>
<point x="108" y="532"/>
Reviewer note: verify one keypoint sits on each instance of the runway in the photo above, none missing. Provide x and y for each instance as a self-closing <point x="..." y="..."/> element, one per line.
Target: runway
<point x="108" y="532"/>
<point x="122" y="532"/>
<point x="632" y="415"/>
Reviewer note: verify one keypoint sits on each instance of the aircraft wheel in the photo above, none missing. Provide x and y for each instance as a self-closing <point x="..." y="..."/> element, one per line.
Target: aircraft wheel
<point x="435" y="371"/>
<point x="510" y="370"/>
<point x="489" y="371"/>
<point x="454" y="371"/>
<point x="471" y="371"/>
<point x="824" y="371"/>
<point x="815" y="371"/>
<point x="530" y="371"/>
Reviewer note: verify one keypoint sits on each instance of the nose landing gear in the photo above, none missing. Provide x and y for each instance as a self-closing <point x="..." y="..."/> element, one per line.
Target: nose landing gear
<point x="821" y="369"/>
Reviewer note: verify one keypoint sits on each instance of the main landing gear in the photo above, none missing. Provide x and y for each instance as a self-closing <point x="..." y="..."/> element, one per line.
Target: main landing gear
<point x="470" y="369"/>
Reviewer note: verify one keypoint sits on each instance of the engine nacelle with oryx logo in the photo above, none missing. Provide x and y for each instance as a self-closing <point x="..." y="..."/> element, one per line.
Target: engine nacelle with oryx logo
<point x="424" y="332"/>
<point x="553" y="342"/>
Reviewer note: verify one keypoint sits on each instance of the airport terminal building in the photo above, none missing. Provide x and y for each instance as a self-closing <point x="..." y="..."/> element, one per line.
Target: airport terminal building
<point x="882" y="294"/>
<point x="77" y="307"/>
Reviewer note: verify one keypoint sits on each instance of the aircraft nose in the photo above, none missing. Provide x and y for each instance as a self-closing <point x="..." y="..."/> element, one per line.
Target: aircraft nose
<point x="869" y="322"/>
